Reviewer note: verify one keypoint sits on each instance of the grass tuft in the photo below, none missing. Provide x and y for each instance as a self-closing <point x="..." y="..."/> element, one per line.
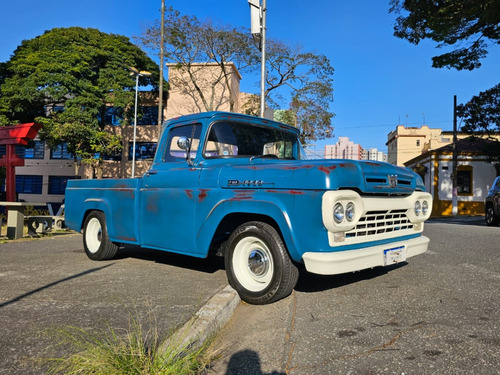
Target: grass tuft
<point x="136" y="351"/>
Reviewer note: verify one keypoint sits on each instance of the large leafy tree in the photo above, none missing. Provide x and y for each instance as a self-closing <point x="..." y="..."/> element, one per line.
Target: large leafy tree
<point x="469" y="29"/>
<point x="189" y="42"/>
<point x="299" y="81"/>
<point x="481" y="115"/>
<point x="308" y="79"/>
<point x="64" y="79"/>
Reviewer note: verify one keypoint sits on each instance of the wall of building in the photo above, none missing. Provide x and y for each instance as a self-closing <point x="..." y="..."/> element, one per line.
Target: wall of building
<point x="438" y="181"/>
<point x="405" y="143"/>
<point x="184" y="97"/>
<point x="50" y="171"/>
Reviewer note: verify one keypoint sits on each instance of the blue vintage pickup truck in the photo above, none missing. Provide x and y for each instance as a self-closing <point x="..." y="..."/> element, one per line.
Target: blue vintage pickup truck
<point x="241" y="187"/>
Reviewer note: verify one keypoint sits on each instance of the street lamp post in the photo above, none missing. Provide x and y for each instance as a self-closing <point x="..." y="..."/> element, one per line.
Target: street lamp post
<point x="142" y="73"/>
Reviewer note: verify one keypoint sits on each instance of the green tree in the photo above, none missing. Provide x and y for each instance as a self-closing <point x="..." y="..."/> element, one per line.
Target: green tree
<point x="470" y="28"/>
<point x="481" y="116"/>
<point x="83" y="71"/>
<point x="308" y="79"/>
<point x="188" y="42"/>
<point x="294" y="77"/>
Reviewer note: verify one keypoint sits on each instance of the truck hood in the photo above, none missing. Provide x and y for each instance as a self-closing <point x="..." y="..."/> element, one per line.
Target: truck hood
<point x="368" y="177"/>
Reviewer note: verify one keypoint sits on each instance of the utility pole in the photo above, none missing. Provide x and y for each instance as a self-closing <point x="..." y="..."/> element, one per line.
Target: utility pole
<point x="258" y="29"/>
<point x="454" y="199"/>
<point x="160" y="96"/>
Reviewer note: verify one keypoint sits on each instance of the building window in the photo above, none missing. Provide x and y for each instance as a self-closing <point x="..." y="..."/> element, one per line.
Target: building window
<point x="35" y="152"/>
<point x="113" y="116"/>
<point x="18" y="150"/>
<point x="418" y="142"/>
<point x="143" y="150"/>
<point x="147" y="115"/>
<point x="57" y="184"/>
<point x="464" y="181"/>
<point x="61" y="153"/>
<point x="29" y="184"/>
<point x="114" y="157"/>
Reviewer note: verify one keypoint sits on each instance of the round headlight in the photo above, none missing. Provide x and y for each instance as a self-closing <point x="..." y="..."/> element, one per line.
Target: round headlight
<point x="338" y="213"/>
<point x="425" y="207"/>
<point x="418" y="208"/>
<point x="350" y="211"/>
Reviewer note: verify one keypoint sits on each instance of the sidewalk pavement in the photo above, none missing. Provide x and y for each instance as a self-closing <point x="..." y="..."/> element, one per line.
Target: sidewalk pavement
<point x="48" y="284"/>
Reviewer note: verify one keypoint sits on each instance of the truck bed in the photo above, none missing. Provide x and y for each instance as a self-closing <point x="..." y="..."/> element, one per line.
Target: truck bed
<point x="120" y="194"/>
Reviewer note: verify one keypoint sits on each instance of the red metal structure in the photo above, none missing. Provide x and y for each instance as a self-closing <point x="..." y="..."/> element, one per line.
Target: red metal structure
<point x="12" y="136"/>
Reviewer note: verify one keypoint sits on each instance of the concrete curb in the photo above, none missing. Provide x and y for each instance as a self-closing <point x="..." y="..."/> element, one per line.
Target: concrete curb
<point x="207" y="321"/>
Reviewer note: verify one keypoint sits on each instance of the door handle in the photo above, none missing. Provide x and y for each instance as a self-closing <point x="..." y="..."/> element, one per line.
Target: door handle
<point x="150" y="172"/>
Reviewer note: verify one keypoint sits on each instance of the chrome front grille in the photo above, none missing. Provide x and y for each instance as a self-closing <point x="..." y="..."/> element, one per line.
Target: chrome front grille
<point x="380" y="222"/>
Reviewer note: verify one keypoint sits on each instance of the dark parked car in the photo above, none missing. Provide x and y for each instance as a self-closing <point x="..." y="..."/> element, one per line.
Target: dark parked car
<point x="492" y="204"/>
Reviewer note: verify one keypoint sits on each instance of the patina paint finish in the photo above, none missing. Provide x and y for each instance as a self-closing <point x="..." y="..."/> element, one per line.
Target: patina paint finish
<point x="214" y="172"/>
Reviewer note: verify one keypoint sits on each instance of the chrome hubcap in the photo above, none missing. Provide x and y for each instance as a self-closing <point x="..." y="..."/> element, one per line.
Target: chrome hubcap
<point x="258" y="263"/>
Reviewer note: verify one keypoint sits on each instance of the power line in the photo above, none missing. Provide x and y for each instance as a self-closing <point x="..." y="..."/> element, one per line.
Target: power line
<point x="387" y="125"/>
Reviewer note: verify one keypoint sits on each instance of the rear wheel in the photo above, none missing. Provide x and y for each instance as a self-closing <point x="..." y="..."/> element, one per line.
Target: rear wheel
<point x="95" y="238"/>
<point x="257" y="264"/>
<point x="490" y="217"/>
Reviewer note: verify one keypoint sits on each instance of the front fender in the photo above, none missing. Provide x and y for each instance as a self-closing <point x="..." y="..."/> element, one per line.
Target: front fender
<point x="257" y="207"/>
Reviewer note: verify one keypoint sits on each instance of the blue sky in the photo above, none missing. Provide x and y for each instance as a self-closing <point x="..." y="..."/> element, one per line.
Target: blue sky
<point x="379" y="80"/>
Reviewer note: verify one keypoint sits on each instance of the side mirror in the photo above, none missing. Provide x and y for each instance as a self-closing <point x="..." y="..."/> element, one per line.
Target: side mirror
<point x="183" y="143"/>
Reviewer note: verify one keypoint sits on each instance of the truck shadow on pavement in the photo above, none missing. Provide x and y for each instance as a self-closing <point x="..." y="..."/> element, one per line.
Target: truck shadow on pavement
<point x="37" y="290"/>
<point x="310" y="283"/>
<point x="247" y="362"/>
<point x="211" y="264"/>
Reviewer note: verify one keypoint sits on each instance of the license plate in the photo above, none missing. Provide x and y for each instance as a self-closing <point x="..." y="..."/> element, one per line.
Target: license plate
<point x="395" y="255"/>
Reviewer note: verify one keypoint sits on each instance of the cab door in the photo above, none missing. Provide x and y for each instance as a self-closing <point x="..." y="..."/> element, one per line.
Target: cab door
<point x="167" y="204"/>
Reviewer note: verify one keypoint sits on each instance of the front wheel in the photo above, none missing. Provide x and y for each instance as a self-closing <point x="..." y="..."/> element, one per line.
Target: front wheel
<point x="95" y="238"/>
<point x="257" y="264"/>
<point x="490" y="217"/>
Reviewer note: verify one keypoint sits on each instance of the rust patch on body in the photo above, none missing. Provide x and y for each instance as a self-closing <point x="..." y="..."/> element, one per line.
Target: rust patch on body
<point x="129" y="239"/>
<point x="292" y="192"/>
<point x="327" y="169"/>
<point x="189" y="193"/>
<point x="241" y="195"/>
<point x="293" y="168"/>
<point x="203" y="194"/>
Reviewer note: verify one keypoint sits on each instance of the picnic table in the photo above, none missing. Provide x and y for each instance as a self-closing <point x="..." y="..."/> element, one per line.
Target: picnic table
<point x="15" y="217"/>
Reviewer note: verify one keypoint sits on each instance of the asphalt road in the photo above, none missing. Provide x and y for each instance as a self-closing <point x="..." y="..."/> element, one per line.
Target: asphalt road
<point x="48" y="284"/>
<point x="439" y="313"/>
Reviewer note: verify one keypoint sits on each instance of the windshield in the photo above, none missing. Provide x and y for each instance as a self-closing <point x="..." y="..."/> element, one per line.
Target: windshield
<point x="236" y="139"/>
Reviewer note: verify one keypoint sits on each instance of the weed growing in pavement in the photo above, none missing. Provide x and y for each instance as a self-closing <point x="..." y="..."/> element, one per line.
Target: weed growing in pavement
<point x="136" y="351"/>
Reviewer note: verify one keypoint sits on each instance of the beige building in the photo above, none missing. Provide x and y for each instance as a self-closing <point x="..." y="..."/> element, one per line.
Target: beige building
<point x="202" y="87"/>
<point x="474" y="176"/>
<point x="405" y="143"/>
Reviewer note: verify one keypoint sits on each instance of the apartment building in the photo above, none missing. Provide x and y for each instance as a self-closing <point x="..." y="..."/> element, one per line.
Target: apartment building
<point x="406" y="143"/>
<point x="344" y="149"/>
<point x="375" y="155"/>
